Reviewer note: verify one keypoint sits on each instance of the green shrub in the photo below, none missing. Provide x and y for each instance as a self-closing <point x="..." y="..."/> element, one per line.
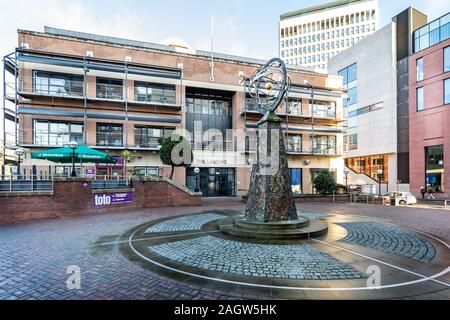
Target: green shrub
<point x="166" y="152"/>
<point x="324" y="183"/>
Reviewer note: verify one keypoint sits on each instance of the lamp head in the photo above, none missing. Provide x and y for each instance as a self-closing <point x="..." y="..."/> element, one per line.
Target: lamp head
<point x="379" y="171"/>
<point x="19" y="152"/>
<point x="73" y="145"/>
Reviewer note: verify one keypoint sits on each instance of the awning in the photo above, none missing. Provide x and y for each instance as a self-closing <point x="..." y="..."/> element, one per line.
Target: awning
<point x="82" y="154"/>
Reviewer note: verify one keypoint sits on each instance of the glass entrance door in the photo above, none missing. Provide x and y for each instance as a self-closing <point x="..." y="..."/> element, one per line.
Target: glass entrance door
<point x="213" y="182"/>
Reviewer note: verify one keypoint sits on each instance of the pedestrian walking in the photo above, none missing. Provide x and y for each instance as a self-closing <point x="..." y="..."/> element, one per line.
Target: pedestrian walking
<point x="422" y="192"/>
<point x="430" y="194"/>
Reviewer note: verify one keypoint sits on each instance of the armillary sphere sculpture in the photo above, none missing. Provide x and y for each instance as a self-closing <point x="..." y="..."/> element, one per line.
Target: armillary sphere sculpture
<point x="270" y="211"/>
<point x="269" y="86"/>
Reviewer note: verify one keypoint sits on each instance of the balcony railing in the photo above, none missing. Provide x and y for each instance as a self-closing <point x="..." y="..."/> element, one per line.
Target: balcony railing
<point x="155" y="98"/>
<point x="56" y="87"/>
<point x="294" y="148"/>
<point x="57" y="138"/>
<point x="294" y="113"/>
<point x="146" y="141"/>
<point x="109" y="91"/>
<point x="109" y="139"/>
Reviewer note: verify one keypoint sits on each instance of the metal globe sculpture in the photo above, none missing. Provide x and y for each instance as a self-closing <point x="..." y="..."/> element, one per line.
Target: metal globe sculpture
<point x="271" y="212"/>
<point x="269" y="86"/>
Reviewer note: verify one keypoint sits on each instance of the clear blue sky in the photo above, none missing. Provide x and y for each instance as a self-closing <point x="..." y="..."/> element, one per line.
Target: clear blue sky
<point x="243" y="27"/>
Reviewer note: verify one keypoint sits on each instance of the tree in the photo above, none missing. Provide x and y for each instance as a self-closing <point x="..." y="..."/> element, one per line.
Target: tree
<point x="181" y="145"/>
<point x="324" y="183"/>
<point x="126" y="155"/>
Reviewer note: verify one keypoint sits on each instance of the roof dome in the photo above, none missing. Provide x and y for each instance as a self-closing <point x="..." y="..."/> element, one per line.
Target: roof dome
<point x="177" y="43"/>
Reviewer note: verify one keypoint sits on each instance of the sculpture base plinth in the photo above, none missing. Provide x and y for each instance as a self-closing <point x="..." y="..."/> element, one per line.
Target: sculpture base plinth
<point x="301" y="228"/>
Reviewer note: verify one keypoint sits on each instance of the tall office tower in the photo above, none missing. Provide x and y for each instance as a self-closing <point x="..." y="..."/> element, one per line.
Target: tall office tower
<point x="309" y="37"/>
<point x="377" y="77"/>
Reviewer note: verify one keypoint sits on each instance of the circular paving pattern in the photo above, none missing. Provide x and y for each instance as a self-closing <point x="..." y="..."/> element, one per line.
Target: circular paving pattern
<point x="390" y="240"/>
<point x="191" y="248"/>
<point x="257" y="260"/>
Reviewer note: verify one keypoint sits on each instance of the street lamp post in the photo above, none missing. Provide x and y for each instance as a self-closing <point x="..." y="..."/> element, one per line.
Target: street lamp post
<point x="19" y="153"/>
<point x="346" y="172"/>
<point x="379" y="173"/>
<point x="73" y="145"/>
<point x="197" y="179"/>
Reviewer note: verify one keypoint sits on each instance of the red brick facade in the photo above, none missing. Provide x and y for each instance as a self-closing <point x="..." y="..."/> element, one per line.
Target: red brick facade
<point x="74" y="197"/>
<point x="431" y="126"/>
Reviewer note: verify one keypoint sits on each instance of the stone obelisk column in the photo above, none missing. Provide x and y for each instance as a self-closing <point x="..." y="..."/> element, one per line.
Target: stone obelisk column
<point x="270" y="196"/>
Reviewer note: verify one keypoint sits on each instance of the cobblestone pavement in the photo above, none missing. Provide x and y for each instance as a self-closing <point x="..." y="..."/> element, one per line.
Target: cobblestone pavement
<point x="189" y="223"/>
<point x="389" y="239"/>
<point x="432" y="221"/>
<point x="300" y="262"/>
<point x="34" y="257"/>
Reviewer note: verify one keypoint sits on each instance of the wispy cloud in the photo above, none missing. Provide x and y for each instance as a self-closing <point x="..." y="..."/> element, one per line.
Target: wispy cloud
<point x="436" y="8"/>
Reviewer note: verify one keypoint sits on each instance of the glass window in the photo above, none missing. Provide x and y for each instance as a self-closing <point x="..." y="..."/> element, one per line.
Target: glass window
<point x="419" y="69"/>
<point x="353" y="142"/>
<point x="146" y="171"/>
<point x="211" y="104"/>
<point x="109" y="88"/>
<point x="323" y="109"/>
<point x="447" y="59"/>
<point x="151" y="92"/>
<point x="352" y="97"/>
<point x="324" y="144"/>
<point x="295" y="106"/>
<point x="109" y="135"/>
<point x="434" y="168"/>
<point x="294" y="143"/>
<point x="53" y="133"/>
<point x="431" y="34"/>
<point x="447" y="91"/>
<point x="419" y="98"/>
<point x="151" y="137"/>
<point x="58" y="84"/>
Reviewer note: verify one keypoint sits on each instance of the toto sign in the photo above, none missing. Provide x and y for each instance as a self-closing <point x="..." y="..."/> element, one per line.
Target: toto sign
<point x="112" y="198"/>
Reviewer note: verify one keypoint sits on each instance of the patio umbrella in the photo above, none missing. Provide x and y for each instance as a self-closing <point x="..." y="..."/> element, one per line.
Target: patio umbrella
<point x="82" y="154"/>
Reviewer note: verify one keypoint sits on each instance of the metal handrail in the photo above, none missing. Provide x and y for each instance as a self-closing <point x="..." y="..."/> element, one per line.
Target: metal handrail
<point x="26" y="183"/>
<point x="32" y="85"/>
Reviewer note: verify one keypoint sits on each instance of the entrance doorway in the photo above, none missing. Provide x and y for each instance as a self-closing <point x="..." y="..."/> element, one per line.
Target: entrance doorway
<point x="213" y="182"/>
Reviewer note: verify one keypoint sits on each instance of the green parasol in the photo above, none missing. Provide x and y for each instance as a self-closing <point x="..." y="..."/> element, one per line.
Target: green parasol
<point x="82" y="154"/>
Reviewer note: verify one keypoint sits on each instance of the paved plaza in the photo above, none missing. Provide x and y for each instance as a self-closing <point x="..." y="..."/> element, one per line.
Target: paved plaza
<point x="177" y="253"/>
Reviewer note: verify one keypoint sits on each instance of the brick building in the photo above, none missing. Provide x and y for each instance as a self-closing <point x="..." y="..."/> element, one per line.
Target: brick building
<point x="115" y="94"/>
<point x="429" y="113"/>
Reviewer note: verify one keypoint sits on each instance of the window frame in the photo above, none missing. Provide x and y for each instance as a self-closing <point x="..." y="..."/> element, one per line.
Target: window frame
<point x="72" y="136"/>
<point x="109" y="134"/>
<point x="445" y="95"/>
<point x="421" y="89"/>
<point x="422" y="64"/>
<point x="446" y="49"/>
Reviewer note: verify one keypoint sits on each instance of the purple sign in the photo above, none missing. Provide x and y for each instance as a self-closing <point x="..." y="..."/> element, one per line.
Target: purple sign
<point x="113" y="198"/>
<point x="90" y="173"/>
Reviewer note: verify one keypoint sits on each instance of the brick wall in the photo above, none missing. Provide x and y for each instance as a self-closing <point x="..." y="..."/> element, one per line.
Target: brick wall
<point x="75" y="197"/>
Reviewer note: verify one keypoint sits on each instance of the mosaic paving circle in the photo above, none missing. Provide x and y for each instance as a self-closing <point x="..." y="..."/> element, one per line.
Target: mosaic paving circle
<point x="193" y="249"/>
<point x="257" y="260"/>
